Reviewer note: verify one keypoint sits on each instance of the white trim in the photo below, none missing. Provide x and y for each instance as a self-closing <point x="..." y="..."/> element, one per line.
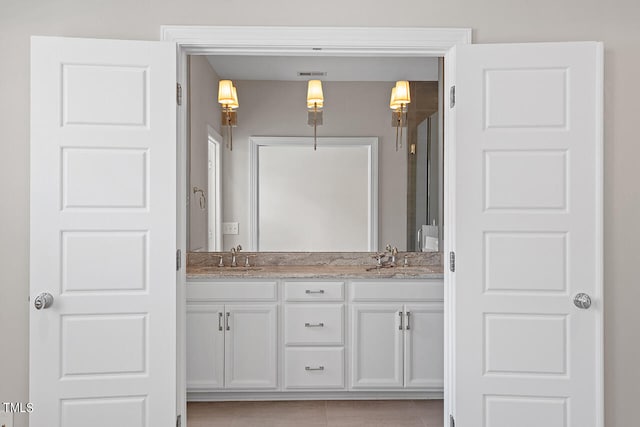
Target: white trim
<point x="338" y="394"/>
<point x="299" y="41"/>
<point x="214" y="139"/>
<point x="449" y="235"/>
<point x="260" y="141"/>
<point x="296" y="41"/>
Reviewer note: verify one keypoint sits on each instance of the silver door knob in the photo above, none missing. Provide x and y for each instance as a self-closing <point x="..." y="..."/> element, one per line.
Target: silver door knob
<point x="582" y="301"/>
<point x="42" y="301"/>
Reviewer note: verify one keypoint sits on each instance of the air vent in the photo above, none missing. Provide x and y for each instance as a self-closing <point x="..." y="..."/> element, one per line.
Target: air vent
<point x="312" y="73"/>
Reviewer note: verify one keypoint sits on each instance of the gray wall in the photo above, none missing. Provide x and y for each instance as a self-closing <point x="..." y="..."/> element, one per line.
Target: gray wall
<point x="613" y="21"/>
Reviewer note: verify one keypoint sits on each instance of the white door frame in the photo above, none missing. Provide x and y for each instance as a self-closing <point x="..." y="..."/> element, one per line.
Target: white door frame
<point x="302" y="41"/>
<point x="214" y="196"/>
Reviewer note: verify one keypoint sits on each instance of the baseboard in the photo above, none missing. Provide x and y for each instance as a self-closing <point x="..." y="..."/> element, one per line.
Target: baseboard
<point x="312" y="395"/>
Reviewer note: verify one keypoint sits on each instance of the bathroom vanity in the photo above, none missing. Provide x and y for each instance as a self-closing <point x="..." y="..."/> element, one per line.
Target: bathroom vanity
<point x="314" y="331"/>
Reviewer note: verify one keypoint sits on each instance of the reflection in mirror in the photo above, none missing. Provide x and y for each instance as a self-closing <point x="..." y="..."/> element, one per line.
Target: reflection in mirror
<point x="322" y="200"/>
<point x="273" y="104"/>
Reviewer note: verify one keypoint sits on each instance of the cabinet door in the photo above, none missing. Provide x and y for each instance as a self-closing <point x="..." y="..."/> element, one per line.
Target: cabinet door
<point x="424" y="346"/>
<point x="251" y="346"/>
<point x="376" y="346"/>
<point x="205" y="347"/>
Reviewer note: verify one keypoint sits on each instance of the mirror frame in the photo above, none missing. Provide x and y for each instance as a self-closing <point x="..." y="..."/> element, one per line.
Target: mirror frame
<point x="255" y="142"/>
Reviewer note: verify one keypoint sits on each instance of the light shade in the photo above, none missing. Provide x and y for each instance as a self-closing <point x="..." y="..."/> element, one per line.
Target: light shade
<point x="393" y="103"/>
<point x="225" y="92"/>
<point x="314" y="94"/>
<point x="234" y="104"/>
<point x="403" y="96"/>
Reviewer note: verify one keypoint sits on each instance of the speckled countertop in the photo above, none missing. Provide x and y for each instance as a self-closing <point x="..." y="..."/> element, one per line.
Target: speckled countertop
<point x="202" y="266"/>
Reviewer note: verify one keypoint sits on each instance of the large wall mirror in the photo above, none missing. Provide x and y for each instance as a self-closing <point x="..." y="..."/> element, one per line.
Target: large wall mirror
<point x="323" y="200"/>
<point x="271" y="191"/>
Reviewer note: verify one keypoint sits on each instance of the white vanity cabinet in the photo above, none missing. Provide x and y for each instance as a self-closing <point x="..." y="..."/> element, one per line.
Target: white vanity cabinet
<point x="397" y="338"/>
<point x="324" y="338"/>
<point x="232" y="336"/>
<point x="314" y="331"/>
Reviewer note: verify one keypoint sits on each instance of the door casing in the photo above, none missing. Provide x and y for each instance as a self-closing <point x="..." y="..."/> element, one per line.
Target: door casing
<point x="321" y="41"/>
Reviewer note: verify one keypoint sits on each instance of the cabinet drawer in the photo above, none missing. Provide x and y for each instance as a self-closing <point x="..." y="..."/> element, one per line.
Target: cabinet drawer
<point x="232" y="291"/>
<point x="314" y="291"/>
<point x="314" y="324"/>
<point x="400" y="290"/>
<point x="314" y="368"/>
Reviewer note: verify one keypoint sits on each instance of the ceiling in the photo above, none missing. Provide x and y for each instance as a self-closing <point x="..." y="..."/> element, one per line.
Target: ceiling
<point x="241" y="67"/>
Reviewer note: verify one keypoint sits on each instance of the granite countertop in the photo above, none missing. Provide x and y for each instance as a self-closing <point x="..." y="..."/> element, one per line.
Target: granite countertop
<point x="311" y="265"/>
<point x="314" y="272"/>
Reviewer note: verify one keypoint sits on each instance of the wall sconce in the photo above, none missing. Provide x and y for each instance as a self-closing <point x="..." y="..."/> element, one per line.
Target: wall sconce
<point x="228" y="98"/>
<point x="400" y="97"/>
<point x="315" y="102"/>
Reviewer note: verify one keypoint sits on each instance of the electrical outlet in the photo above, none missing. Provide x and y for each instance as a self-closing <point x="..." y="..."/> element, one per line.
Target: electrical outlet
<point x="229" y="228"/>
<point x="6" y="419"/>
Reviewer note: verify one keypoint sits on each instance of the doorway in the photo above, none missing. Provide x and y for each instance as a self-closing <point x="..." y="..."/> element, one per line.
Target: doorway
<point x="418" y="43"/>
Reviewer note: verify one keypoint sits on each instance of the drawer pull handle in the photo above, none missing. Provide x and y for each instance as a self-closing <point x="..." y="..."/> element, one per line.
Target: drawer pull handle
<point x="219" y="321"/>
<point x="227" y="319"/>
<point x="401" y="327"/>
<point x="319" y="291"/>
<point x="408" y="320"/>
<point x="314" y="325"/>
<point x="309" y="368"/>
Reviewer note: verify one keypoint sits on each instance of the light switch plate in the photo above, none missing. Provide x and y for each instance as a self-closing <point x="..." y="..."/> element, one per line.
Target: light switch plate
<point x="230" y="228"/>
<point x="6" y="419"/>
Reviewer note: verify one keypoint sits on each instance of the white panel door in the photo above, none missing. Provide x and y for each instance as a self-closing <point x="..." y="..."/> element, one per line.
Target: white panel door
<point x="528" y="218"/>
<point x="251" y="346"/>
<point x="423" y="346"/>
<point x="377" y="337"/>
<point x="205" y="347"/>
<point x="103" y="233"/>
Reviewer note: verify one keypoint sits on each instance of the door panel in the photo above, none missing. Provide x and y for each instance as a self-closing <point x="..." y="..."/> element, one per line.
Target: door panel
<point x="377" y="346"/>
<point x="528" y="177"/>
<point x="423" y="346"/>
<point x="251" y="346"/>
<point x="103" y="233"/>
<point x="205" y="347"/>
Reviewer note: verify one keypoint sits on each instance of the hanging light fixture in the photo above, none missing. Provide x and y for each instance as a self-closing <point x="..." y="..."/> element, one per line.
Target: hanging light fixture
<point x="400" y="97"/>
<point x="228" y="98"/>
<point x="315" y="102"/>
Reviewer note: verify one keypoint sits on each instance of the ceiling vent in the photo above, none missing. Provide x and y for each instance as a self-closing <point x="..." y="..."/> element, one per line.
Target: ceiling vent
<point x="312" y="73"/>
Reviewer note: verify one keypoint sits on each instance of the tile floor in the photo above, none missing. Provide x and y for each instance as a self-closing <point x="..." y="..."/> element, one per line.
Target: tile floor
<point x="317" y="413"/>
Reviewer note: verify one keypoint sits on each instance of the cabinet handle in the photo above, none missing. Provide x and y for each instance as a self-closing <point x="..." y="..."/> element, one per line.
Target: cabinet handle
<point x="401" y="327"/>
<point x="314" y="325"/>
<point x="227" y="319"/>
<point x="408" y="320"/>
<point x="219" y="321"/>
<point x="309" y="368"/>
<point x="319" y="291"/>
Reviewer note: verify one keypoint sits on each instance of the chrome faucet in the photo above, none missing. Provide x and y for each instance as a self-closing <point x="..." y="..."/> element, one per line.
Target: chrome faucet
<point x="394" y="253"/>
<point x="234" y="251"/>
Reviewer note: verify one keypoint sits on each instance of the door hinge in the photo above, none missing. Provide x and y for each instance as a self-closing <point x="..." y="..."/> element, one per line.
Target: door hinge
<point x="452" y="97"/>
<point x="179" y="93"/>
<point x="178" y="259"/>
<point x="452" y="421"/>
<point x="452" y="261"/>
<point x="179" y="421"/>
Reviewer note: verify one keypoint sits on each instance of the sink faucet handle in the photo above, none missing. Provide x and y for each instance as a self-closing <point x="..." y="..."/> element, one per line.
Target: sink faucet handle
<point x="220" y="262"/>
<point x="246" y="260"/>
<point x="238" y="248"/>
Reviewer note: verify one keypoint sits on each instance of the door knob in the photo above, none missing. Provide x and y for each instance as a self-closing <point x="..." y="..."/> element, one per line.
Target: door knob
<point x="44" y="300"/>
<point x="582" y="300"/>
